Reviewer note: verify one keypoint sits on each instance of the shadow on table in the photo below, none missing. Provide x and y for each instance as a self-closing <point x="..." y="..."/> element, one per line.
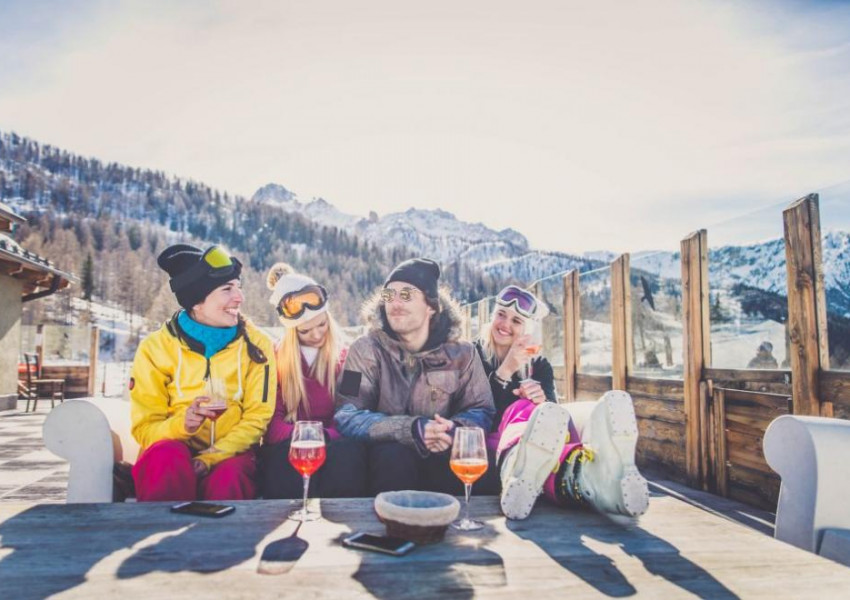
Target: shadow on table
<point x="202" y="547"/>
<point x="39" y="565"/>
<point x="454" y="568"/>
<point x="568" y="546"/>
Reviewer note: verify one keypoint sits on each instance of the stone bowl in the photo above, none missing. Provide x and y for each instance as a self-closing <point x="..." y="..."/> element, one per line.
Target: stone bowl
<point x="420" y="517"/>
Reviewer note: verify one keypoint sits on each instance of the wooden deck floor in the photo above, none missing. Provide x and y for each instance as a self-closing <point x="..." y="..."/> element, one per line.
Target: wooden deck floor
<point x="29" y="472"/>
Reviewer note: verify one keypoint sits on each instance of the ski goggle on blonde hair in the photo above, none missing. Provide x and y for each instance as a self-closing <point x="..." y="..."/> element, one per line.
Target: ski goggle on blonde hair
<point x="520" y="300"/>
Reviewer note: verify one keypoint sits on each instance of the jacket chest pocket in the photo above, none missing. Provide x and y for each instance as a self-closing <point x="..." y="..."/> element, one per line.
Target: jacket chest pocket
<point x="441" y="386"/>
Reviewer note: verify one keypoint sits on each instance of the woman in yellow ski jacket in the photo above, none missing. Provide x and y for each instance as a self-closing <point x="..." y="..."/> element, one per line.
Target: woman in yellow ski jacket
<point x="206" y="372"/>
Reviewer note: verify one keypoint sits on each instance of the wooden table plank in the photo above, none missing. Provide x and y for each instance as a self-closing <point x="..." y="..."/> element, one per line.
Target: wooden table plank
<point x="141" y="550"/>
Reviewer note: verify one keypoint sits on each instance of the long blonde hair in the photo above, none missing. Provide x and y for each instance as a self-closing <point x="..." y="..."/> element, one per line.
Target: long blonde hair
<point x="290" y="376"/>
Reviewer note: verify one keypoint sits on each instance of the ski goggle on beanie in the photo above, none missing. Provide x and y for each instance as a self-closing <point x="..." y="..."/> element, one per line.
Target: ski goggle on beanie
<point x="294" y="304"/>
<point x="215" y="261"/>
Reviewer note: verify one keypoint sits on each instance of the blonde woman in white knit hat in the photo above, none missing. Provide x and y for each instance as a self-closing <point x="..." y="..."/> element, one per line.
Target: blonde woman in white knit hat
<point x="309" y="357"/>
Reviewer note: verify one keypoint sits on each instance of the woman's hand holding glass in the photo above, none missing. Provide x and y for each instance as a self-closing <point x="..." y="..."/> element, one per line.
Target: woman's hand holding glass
<point x="197" y="413"/>
<point x="192" y="419"/>
<point x="212" y="406"/>
<point x="515" y="359"/>
<point x="534" y="331"/>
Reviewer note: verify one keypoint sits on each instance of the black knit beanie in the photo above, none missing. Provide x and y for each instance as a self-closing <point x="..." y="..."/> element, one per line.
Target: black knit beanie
<point x="420" y="272"/>
<point x="191" y="282"/>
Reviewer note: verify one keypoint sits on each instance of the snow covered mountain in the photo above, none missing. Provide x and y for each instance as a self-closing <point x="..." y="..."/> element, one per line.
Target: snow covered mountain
<point x="762" y="266"/>
<point x="506" y="254"/>
<point x="435" y="233"/>
<point x="318" y="209"/>
<point x="502" y="255"/>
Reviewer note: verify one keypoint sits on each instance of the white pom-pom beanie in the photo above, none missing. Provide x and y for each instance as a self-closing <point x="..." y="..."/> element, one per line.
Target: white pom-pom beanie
<point x="292" y="282"/>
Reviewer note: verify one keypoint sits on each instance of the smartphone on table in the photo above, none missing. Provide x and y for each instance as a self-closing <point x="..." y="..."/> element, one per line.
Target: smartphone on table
<point x="203" y="509"/>
<point x="378" y="543"/>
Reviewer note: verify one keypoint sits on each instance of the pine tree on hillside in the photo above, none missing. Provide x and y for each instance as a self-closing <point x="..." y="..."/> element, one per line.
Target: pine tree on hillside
<point x="88" y="277"/>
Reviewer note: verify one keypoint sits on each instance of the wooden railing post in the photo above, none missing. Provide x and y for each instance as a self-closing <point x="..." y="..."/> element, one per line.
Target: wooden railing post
<point x="93" y="354"/>
<point x="721" y="487"/>
<point x="696" y="347"/>
<point x="572" y="334"/>
<point x="621" y="322"/>
<point x="806" y="306"/>
<point x="39" y="347"/>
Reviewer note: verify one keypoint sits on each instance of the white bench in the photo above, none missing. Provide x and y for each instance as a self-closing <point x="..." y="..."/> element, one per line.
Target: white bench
<point x="812" y="455"/>
<point x="92" y="436"/>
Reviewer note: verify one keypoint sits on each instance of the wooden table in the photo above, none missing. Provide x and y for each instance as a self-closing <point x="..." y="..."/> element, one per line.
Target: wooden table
<point x="143" y="551"/>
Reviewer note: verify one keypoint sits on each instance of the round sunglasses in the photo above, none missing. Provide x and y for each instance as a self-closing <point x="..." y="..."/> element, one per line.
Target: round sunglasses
<point x="405" y="294"/>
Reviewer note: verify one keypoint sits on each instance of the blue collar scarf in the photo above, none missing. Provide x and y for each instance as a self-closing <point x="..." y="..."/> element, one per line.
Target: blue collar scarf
<point x="213" y="339"/>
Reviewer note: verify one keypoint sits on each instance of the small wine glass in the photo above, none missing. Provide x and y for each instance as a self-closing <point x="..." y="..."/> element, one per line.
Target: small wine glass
<point x="215" y="391"/>
<point x="534" y="329"/>
<point x="468" y="462"/>
<point x="307" y="453"/>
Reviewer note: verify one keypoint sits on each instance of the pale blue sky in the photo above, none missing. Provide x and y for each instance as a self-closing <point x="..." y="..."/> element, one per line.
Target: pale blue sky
<point x="584" y="125"/>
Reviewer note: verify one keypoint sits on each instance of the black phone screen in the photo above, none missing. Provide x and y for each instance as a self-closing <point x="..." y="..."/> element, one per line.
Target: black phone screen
<point x="379" y="543"/>
<point x="203" y="509"/>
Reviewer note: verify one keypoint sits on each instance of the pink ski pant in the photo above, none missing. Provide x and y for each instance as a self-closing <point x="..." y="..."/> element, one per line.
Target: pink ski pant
<point x="164" y="473"/>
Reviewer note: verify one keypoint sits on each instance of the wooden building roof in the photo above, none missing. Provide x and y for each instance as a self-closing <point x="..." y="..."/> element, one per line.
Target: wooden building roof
<point x="8" y="218"/>
<point x="40" y="276"/>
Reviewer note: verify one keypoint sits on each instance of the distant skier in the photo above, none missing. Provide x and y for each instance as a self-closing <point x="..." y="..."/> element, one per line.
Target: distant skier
<point x="764" y="358"/>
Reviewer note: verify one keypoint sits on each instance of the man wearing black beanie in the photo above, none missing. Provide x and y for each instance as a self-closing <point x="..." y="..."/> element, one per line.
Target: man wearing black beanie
<point x="410" y="381"/>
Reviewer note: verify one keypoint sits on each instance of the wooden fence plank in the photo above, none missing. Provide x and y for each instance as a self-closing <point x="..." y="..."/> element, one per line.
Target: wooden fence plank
<point x="753" y="487"/>
<point x="704" y="415"/>
<point x="671" y="388"/>
<point x="806" y="305"/>
<point x="667" y="455"/>
<point x="661" y="431"/>
<point x="718" y="405"/>
<point x="745" y="438"/>
<point x="835" y="388"/>
<point x="739" y="456"/>
<point x="598" y="384"/>
<point x="753" y="421"/>
<point x="755" y="375"/>
<point x="572" y="333"/>
<point x="621" y="319"/>
<point x="696" y="347"/>
<point x="659" y="410"/>
<point x="769" y="402"/>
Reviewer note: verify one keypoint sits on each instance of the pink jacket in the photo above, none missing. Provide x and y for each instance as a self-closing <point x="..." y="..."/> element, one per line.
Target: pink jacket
<point x="321" y="408"/>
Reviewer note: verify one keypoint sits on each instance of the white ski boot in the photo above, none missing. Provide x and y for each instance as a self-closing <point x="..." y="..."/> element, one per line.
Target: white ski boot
<point x="532" y="460"/>
<point x="604" y="474"/>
